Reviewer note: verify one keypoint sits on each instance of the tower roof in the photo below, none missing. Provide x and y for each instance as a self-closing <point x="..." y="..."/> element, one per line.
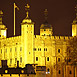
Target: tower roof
<point x="27" y="19"/>
<point x="2" y="26"/>
<point x="75" y="20"/>
<point x="45" y="25"/>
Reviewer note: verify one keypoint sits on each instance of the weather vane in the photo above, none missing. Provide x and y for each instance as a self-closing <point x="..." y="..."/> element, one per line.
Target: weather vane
<point x="27" y="9"/>
<point x="46" y="14"/>
<point x="76" y="10"/>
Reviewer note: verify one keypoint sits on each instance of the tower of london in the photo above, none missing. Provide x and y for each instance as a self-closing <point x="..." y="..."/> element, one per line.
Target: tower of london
<point x="42" y="50"/>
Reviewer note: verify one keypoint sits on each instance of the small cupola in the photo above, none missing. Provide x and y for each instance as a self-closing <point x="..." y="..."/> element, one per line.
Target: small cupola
<point x="74" y="24"/>
<point x="2" y="27"/>
<point x="46" y="28"/>
<point x="27" y="19"/>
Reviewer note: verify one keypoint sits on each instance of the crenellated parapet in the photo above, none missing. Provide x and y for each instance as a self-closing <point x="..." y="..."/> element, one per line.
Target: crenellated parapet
<point x="53" y="37"/>
<point x="12" y="41"/>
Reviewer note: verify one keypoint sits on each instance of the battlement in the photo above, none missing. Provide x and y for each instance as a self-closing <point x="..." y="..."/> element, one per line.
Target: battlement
<point x="53" y="37"/>
<point x="11" y="41"/>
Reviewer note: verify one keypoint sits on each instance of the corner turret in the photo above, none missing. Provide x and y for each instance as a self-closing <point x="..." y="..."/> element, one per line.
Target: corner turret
<point x="74" y="25"/>
<point x="2" y="27"/>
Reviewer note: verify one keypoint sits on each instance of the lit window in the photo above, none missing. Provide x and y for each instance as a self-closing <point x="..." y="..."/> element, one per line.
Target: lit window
<point x="58" y="59"/>
<point x="20" y="59"/>
<point x="59" y="72"/>
<point x="22" y="71"/>
<point x="36" y="58"/>
<point x="47" y="58"/>
<point x="58" y="50"/>
<point x="6" y="71"/>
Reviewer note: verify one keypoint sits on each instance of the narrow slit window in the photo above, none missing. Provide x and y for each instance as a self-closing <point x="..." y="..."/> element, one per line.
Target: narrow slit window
<point x="59" y="72"/>
<point x="36" y="58"/>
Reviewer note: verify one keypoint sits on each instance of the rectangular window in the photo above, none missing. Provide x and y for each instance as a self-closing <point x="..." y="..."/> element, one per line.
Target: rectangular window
<point x="20" y="59"/>
<point x="47" y="58"/>
<point x="36" y="58"/>
<point x="6" y="50"/>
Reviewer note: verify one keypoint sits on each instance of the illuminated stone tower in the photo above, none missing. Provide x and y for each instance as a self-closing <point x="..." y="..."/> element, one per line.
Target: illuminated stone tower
<point x="74" y="25"/>
<point x="2" y="27"/>
<point x="46" y="29"/>
<point x="27" y="28"/>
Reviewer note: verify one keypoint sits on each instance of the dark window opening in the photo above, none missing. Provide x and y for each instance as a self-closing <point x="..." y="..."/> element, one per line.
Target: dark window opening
<point x="46" y="49"/>
<point x="70" y="72"/>
<point x="58" y="50"/>
<point x="36" y="58"/>
<point x="47" y="58"/>
<point x="34" y="49"/>
<point x="44" y="30"/>
<point x="69" y="60"/>
<point x="59" y="72"/>
<point x="10" y="61"/>
<point x="38" y="49"/>
<point x="58" y="59"/>
<point x="48" y="69"/>
<point x="15" y="60"/>
<point x="44" y="34"/>
<point x="20" y="59"/>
